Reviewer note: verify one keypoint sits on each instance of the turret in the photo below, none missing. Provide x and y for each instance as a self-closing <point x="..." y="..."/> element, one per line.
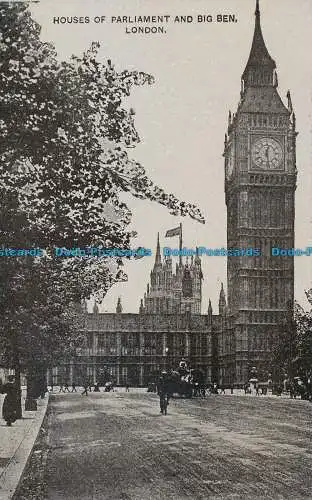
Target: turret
<point x="119" y="306"/>
<point x="157" y="256"/>
<point x="222" y="302"/>
<point x="141" y="309"/>
<point x="209" y="313"/>
<point x="289" y="102"/>
<point x="187" y="285"/>
<point x="197" y="258"/>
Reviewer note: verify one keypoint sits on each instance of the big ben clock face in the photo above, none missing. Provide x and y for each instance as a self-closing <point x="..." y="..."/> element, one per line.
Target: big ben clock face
<point x="267" y="153"/>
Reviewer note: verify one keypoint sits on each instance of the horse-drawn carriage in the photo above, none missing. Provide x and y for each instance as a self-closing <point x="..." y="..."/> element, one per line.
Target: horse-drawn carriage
<point x="186" y="382"/>
<point x="181" y="385"/>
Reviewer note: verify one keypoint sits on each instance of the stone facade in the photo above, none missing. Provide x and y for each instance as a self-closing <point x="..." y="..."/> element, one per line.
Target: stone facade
<point x="173" y="293"/>
<point x="133" y="348"/>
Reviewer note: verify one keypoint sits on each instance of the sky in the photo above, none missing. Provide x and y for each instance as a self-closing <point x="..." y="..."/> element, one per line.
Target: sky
<point x="182" y="117"/>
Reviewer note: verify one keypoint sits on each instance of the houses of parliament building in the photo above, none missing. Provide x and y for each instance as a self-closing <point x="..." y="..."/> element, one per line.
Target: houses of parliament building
<point x="260" y="182"/>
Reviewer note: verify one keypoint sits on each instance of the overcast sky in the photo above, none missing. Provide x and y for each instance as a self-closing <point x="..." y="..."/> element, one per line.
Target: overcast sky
<point x="182" y="118"/>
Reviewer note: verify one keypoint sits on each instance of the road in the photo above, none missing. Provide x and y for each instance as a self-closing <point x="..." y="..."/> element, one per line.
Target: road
<point x="117" y="446"/>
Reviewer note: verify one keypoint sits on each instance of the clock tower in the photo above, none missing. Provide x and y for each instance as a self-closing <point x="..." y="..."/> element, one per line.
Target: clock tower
<point x="260" y="183"/>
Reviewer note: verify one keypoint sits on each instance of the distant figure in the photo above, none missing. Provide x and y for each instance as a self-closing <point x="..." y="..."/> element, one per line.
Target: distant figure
<point x="85" y="391"/>
<point x="51" y="387"/>
<point x="109" y="386"/>
<point x="163" y="391"/>
<point x="74" y="387"/>
<point x="61" y="388"/>
<point x="127" y="388"/>
<point x="9" y="408"/>
<point x="215" y="388"/>
<point x="44" y="390"/>
<point x="96" y="387"/>
<point x="66" y="387"/>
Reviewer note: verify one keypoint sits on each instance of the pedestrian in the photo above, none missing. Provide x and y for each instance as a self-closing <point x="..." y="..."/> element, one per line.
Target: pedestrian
<point x="96" y="387"/>
<point x="9" y="408"/>
<point x="74" y="387"/>
<point x="61" y="388"/>
<point x="66" y="387"/>
<point x="85" y="387"/>
<point x="163" y="391"/>
<point x="127" y="387"/>
<point x="203" y="391"/>
<point x="44" y="390"/>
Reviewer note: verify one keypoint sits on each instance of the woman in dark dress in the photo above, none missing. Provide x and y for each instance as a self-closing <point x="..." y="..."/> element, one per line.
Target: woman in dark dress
<point x="9" y="408"/>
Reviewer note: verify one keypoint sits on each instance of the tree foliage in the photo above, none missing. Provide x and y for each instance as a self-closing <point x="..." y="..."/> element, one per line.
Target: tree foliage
<point x="64" y="163"/>
<point x="292" y="349"/>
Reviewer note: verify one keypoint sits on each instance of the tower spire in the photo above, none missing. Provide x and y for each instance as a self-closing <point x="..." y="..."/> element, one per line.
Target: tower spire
<point x="257" y="13"/>
<point x="209" y="308"/>
<point x="158" y="256"/>
<point x="180" y="245"/>
<point x="290" y="106"/>
<point x="260" y="67"/>
<point x="119" y="306"/>
<point x="222" y="301"/>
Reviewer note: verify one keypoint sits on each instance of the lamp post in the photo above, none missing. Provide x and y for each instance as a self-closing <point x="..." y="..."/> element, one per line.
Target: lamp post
<point x="166" y="362"/>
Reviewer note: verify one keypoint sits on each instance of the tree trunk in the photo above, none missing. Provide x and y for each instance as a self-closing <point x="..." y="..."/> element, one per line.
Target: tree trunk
<point x="31" y="398"/>
<point x="17" y="369"/>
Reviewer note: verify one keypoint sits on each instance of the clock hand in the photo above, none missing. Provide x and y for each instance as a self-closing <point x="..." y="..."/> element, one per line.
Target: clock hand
<point x="267" y="155"/>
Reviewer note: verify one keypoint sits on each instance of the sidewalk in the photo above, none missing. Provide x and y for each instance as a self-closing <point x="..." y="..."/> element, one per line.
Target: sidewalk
<point x="16" y="444"/>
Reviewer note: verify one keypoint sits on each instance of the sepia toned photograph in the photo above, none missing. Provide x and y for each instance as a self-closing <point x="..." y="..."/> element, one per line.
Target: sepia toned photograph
<point x="155" y="250"/>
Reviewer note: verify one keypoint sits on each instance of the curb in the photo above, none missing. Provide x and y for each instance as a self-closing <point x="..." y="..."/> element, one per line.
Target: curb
<point x="12" y="473"/>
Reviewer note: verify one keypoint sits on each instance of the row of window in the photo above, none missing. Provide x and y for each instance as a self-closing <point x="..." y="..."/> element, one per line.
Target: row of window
<point x="130" y="344"/>
<point x="272" y="120"/>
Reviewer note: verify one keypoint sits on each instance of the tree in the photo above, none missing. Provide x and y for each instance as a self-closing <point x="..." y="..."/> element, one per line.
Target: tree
<point x="66" y="136"/>
<point x="64" y="163"/>
<point x="64" y="157"/>
<point x="304" y="337"/>
<point x="292" y="348"/>
<point x="284" y="346"/>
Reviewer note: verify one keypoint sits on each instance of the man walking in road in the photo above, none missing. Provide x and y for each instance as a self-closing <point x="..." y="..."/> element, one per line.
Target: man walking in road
<point x="85" y="391"/>
<point x="163" y="391"/>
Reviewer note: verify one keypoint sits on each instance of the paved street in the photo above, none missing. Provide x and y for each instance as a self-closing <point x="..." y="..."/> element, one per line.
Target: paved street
<point x="117" y="446"/>
<point x="16" y="444"/>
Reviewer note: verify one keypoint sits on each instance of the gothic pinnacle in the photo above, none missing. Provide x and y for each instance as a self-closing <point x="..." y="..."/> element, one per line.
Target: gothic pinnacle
<point x="257" y="13"/>
<point x="158" y="256"/>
